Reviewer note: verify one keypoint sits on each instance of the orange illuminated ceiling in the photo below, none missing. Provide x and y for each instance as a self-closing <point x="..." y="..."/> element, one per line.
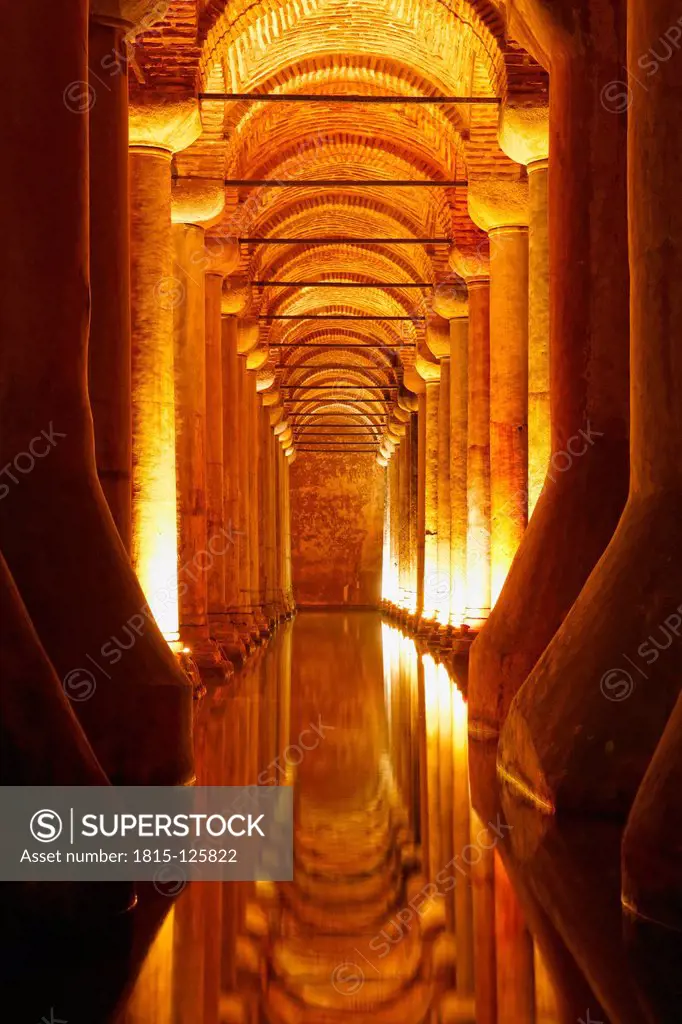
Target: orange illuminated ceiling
<point x="373" y="48"/>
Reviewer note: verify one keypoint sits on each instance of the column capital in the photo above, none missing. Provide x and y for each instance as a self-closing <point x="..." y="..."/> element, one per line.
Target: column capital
<point x="450" y="300"/>
<point x="428" y="369"/>
<point x="221" y="257"/>
<point x="471" y="264"/>
<point x="160" y="121"/>
<point x="272" y="397"/>
<point x="438" y="337"/>
<point x="264" y="381"/>
<point x="499" y="203"/>
<point x="257" y="358"/>
<point x="247" y="335"/>
<point x="236" y="297"/>
<point x="276" y="414"/>
<point x="198" y="201"/>
<point x="414" y="383"/>
<point x="523" y="131"/>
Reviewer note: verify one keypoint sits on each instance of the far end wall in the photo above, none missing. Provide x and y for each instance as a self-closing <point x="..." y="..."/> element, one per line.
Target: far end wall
<point x="337" y="516"/>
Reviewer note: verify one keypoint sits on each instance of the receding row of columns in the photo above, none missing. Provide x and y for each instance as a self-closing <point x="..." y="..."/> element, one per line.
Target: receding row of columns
<point x="484" y="374"/>
<point x="577" y="665"/>
<point x="133" y="539"/>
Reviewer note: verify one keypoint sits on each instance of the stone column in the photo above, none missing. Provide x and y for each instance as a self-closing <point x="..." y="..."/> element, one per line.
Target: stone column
<point x="524" y="137"/>
<point x="221" y="363"/>
<point x="235" y="300"/>
<point x="274" y="413"/>
<point x="450" y="301"/>
<point x="459" y="398"/>
<point x="267" y="495"/>
<point x="586" y="485"/>
<point x="156" y="132"/>
<point x="473" y="268"/>
<point x="286" y="536"/>
<point x="255" y="509"/>
<point x="438" y="341"/>
<point x="429" y="370"/>
<point x="194" y="202"/>
<point x="109" y="385"/>
<point x="58" y="537"/>
<point x="421" y="502"/>
<point x="404" y="474"/>
<point x="444" y="582"/>
<point x="501" y="208"/>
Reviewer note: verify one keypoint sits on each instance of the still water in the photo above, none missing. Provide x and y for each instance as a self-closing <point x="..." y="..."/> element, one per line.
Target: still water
<point x="421" y="894"/>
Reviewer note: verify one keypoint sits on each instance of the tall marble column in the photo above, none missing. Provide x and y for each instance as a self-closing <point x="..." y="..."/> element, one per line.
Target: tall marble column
<point x="254" y="502"/>
<point x="450" y="301"/>
<point x="58" y="537"/>
<point x="109" y="385"/>
<point x="429" y="370"/>
<point x="444" y="581"/>
<point x="194" y="202"/>
<point x="524" y="137"/>
<point x="235" y="300"/>
<point x="156" y="132"/>
<point x="438" y="341"/>
<point x="474" y="269"/>
<point x="501" y="209"/>
<point x="221" y="366"/>
<point x="586" y="485"/>
<point x="290" y="455"/>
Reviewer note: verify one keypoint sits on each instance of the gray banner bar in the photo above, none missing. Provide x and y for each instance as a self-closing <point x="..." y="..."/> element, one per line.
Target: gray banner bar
<point x="146" y="833"/>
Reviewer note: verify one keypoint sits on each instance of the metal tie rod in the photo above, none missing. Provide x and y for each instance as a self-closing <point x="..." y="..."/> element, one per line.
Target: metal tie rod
<point x="333" y="345"/>
<point x="333" y="316"/>
<point x="344" y="284"/>
<point x="342" y="183"/>
<point x="345" y="239"/>
<point x="300" y="97"/>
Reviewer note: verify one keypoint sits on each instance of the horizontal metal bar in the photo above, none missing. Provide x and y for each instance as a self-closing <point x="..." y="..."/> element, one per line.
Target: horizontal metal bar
<point x="346" y="239"/>
<point x="301" y="430"/>
<point x="334" y="316"/>
<point x="334" y="97"/>
<point x="316" y="367"/>
<point x="346" y="398"/>
<point x="335" y="345"/>
<point x="343" y="183"/>
<point x="338" y="451"/>
<point x="344" y="284"/>
<point x="346" y="416"/>
<point x="341" y="387"/>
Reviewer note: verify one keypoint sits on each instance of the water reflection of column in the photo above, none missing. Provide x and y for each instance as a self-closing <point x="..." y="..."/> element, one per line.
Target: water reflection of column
<point x="216" y="723"/>
<point x="483" y="885"/>
<point x="424" y="835"/>
<point x="446" y="773"/>
<point x="436" y="860"/>
<point x="151" y="998"/>
<point x="461" y="832"/>
<point x="514" y="953"/>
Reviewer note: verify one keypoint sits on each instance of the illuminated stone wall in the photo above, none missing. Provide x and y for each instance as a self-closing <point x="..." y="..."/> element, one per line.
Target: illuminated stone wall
<point x="337" y="507"/>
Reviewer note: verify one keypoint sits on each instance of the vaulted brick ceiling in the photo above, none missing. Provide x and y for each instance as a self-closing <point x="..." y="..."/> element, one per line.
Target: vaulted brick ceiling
<point x="370" y="47"/>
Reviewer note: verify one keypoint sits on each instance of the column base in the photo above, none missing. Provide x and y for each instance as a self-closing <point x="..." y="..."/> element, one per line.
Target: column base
<point x="245" y="624"/>
<point x="447" y="636"/>
<point x="226" y="635"/>
<point x="424" y="627"/>
<point x="214" y="669"/>
<point x="190" y="668"/>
